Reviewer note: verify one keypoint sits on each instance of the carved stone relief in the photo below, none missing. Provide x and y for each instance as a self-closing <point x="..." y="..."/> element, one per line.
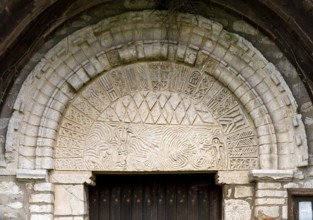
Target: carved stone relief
<point x="155" y="116"/>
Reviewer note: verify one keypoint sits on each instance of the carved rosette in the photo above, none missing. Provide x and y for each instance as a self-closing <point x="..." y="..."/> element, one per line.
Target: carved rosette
<point x="155" y="116"/>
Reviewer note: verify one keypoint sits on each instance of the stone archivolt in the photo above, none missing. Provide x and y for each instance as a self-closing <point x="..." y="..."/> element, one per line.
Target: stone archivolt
<point x="243" y="97"/>
<point x="155" y="116"/>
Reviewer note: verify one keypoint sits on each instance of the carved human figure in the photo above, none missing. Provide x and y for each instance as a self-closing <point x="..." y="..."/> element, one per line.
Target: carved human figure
<point x="221" y="159"/>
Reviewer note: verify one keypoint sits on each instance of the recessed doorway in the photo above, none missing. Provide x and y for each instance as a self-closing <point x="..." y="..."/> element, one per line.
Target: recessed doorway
<point x="155" y="197"/>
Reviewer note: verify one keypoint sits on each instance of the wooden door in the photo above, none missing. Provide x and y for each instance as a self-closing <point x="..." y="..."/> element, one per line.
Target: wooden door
<point x="155" y="197"/>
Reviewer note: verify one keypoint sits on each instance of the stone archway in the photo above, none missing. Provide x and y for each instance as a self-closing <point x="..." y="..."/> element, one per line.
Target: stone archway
<point x="149" y="76"/>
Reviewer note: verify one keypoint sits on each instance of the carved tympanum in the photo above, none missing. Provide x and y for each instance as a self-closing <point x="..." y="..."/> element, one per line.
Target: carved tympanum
<point x="155" y="116"/>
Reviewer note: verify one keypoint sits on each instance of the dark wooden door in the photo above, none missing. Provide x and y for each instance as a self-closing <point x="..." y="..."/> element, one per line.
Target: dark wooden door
<point x="155" y="197"/>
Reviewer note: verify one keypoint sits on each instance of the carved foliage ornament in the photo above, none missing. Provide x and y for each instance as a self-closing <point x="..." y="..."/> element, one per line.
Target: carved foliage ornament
<point x="156" y="116"/>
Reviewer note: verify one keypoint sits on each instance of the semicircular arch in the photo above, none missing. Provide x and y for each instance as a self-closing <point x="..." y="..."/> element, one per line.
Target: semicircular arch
<point x="139" y="37"/>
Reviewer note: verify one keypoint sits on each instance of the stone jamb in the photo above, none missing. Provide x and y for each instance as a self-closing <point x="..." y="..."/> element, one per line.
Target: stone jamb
<point x="271" y="198"/>
<point x="238" y="191"/>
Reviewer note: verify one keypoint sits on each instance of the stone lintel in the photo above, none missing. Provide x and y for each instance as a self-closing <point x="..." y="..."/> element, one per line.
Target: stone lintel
<point x="72" y="177"/>
<point x="232" y="177"/>
<point x="271" y="175"/>
<point x="26" y="175"/>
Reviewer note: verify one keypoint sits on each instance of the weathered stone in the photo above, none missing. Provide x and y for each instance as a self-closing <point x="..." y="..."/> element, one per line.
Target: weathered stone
<point x="41" y="217"/>
<point x="243" y="191"/>
<point x="271" y="175"/>
<point x="243" y="27"/>
<point x="16" y="205"/>
<point x="266" y="201"/>
<point x="70" y="200"/>
<point x="23" y="174"/>
<point x="41" y="208"/>
<point x="73" y="177"/>
<point x="41" y="198"/>
<point x="237" y="209"/>
<point x="269" y="211"/>
<point x="9" y="188"/>
<point x="49" y="187"/>
<point x="291" y="185"/>
<point x="271" y="193"/>
<point x="285" y="212"/>
<point x="268" y="185"/>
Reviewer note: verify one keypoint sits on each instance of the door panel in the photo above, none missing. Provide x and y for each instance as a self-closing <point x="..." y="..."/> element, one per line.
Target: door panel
<point x="155" y="197"/>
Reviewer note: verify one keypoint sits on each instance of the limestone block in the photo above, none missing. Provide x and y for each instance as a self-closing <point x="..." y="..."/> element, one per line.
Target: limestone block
<point x="244" y="27"/>
<point x="49" y="187"/>
<point x="70" y="200"/>
<point x="237" y="209"/>
<point x="70" y="177"/>
<point x="243" y="191"/>
<point x="271" y="211"/>
<point x="16" y="205"/>
<point x="232" y="177"/>
<point x="63" y="218"/>
<point x="82" y="75"/>
<point x="291" y="185"/>
<point x="44" y="163"/>
<point x="70" y="218"/>
<point x="271" y="175"/>
<point x="9" y="188"/>
<point x="41" y="198"/>
<point x="41" y="217"/>
<point x="44" y="151"/>
<point x="75" y="82"/>
<point x="285" y="212"/>
<point x="267" y="185"/>
<point x="26" y="163"/>
<point x="41" y="208"/>
<point x="271" y="193"/>
<point x="266" y="201"/>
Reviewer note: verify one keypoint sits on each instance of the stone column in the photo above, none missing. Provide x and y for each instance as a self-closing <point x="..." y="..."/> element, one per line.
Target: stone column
<point x="270" y="196"/>
<point x="237" y="193"/>
<point x="71" y="194"/>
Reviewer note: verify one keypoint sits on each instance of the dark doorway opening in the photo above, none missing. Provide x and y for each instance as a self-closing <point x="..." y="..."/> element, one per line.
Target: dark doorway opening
<point x="155" y="197"/>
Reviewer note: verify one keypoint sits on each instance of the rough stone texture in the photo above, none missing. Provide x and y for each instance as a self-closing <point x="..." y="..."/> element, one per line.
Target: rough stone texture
<point x="41" y="208"/>
<point x="243" y="191"/>
<point x="49" y="187"/>
<point x="285" y="212"/>
<point x="237" y="209"/>
<point x="266" y="185"/>
<point x="72" y="177"/>
<point x="27" y="174"/>
<point x="12" y="199"/>
<point x="266" y="201"/>
<point x="271" y="193"/>
<point x="70" y="200"/>
<point x="268" y="211"/>
<point x="271" y="175"/>
<point x="232" y="177"/>
<point x="70" y="218"/>
<point x="41" y="198"/>
<point x="41" y="217"/>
